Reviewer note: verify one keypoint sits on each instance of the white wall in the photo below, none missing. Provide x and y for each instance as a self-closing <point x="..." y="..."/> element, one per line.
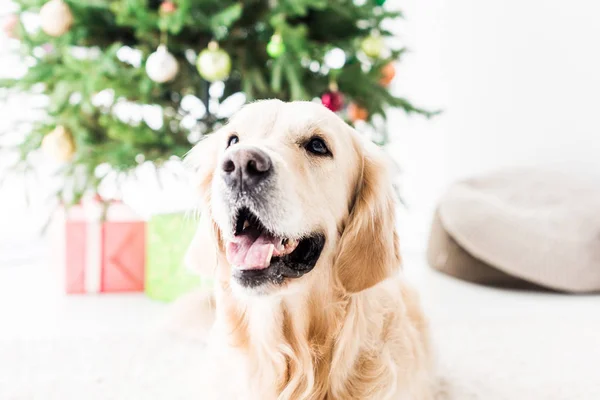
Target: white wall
<point x="519" y="82"/>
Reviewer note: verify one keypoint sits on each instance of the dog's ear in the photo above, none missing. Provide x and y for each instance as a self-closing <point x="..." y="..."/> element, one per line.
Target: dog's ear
<point x="369" y="250"/>
<point x="201" y="255"/>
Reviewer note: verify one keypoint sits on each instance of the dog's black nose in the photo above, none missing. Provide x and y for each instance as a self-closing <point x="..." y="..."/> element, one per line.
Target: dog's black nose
<point x="246" y="167"/>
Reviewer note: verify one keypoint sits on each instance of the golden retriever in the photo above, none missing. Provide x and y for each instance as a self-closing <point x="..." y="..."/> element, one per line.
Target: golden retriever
<point x="297" y="214"/>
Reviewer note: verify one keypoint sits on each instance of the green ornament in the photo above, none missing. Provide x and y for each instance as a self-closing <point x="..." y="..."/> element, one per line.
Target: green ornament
<point x="275" y="47"/>
<point x="372" y="46"/>
<point x="214" y="64"/>
<point x="380" y="2"/>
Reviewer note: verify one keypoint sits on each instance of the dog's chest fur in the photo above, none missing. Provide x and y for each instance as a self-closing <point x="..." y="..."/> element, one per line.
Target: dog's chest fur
<point x="270" y="349"/>
<point x="283" y="349"/>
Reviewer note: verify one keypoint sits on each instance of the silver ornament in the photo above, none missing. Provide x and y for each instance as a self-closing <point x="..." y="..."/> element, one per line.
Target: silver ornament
<point x="161" y="65"/>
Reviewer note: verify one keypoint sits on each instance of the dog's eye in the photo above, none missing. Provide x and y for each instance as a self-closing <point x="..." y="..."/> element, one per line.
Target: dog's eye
<point x="233" y="139"/>
<point x="317" y="146"/>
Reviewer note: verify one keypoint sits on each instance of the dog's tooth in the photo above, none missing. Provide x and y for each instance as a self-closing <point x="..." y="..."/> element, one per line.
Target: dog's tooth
<point x="291" y="246"/>
<point x="246" y="225"/>
<point x="280" y="246"/>
<point x="269" y="255"/>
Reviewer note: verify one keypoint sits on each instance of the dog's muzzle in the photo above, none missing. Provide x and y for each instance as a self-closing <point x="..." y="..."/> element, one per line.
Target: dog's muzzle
<point x="245" y="168"/>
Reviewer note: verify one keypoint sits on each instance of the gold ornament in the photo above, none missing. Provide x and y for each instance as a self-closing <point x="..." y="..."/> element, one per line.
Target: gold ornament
<point x="55" y="17"/>
<point x="11" y="26"/>
<point x="59" y="144"/>
<point x="372" y="46"/>
<point x="214" y="64"/>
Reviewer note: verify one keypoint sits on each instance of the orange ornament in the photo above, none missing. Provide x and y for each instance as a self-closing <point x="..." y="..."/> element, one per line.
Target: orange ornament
<point x="388" y="72"/>
<point x="357" y="113"/>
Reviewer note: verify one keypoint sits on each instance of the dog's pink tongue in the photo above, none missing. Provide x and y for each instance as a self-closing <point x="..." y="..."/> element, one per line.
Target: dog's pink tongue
<point x="250" y="252"/>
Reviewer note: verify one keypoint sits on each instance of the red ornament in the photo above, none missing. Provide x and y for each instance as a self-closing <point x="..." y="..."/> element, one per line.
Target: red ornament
<point x="167" y="7"/>
<point x="333" y="100"/>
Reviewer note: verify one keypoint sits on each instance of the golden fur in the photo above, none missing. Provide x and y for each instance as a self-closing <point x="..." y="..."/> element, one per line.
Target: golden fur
<point x="351" y="328"/>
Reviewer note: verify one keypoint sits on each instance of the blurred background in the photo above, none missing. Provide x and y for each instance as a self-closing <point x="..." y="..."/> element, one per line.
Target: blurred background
<point x="490" y="114"/>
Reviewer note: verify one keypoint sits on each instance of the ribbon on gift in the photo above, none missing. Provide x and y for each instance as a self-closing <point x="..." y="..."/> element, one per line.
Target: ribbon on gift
<point x="104" y="247"/>
<point x="92" y="276"/>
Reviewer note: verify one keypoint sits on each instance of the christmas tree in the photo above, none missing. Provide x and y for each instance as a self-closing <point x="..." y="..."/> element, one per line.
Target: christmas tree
<point x="131" y="81"/>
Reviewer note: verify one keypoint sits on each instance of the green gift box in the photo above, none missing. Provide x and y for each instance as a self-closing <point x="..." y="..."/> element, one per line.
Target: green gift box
<point x="168" y="239"/>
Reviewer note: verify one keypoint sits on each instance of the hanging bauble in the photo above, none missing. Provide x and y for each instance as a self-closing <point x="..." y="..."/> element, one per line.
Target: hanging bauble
<point x="388" y="72"/>
<point x="161" y="65"/>
<point x="59" y="144"/>
<point x="275" y="47"/>
<point x="357" y="113"/>
<point x="333" y="99"/>
<point x="214" y="64"/>
<point x="10" y="26"/>
<point x="335" y="58"/>
<point x="372" y="46"/>
<point x="167" y="7"/>
<point x="55" y="17"/>
<point x="380" y="2"/>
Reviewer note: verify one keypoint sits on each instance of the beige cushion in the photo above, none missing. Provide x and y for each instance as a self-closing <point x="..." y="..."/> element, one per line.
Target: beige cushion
<point x="521" y="226"/>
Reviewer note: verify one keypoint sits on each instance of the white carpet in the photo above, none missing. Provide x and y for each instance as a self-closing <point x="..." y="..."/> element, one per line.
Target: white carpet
<point x="492" y="344"/>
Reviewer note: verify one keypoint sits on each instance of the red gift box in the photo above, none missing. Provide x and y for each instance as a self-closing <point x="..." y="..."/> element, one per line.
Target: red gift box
<point x="103" y="254"/>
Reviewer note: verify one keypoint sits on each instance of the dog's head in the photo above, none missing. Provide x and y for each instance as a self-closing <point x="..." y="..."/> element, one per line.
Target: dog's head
<point x="291" y="193"/>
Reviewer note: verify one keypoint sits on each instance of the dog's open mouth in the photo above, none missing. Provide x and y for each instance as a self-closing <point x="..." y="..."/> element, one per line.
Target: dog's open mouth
<point x="259" y="256"/>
